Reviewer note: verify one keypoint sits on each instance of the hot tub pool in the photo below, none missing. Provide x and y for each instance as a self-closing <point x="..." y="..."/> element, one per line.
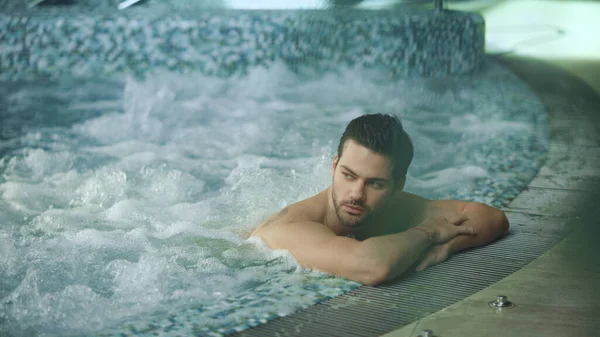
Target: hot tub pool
<point x="124" y="198"/>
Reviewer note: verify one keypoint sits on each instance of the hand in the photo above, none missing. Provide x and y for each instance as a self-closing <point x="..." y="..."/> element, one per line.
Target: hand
<point x="446" y="227"/>
<point x="437" y="254"/>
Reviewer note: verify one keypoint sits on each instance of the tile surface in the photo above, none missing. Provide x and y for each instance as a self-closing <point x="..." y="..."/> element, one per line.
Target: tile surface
<point x="556" y="295"/>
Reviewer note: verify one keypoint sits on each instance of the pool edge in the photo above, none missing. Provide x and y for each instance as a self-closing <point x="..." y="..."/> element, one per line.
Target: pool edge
<point x="543" y="306"/>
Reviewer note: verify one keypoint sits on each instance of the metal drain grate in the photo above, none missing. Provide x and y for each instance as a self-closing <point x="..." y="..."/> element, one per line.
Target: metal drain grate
<point x="373" y="311"/>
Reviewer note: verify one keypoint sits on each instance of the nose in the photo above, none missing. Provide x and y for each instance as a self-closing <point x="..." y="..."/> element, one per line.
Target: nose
<point x="357" y="193"/>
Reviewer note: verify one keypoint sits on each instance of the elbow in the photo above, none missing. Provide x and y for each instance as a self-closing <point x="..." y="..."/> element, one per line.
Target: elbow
<point x="497" y="221"/>
<point x="503" y="223"/>
<point x="376" y="275"/>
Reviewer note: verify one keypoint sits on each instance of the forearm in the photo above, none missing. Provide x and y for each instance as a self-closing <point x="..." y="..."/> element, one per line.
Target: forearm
<point x="397" y="252"/>
<point x="487" y="229"/>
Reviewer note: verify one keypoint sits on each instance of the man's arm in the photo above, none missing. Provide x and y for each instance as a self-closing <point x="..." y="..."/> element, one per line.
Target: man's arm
<point x="488" y="222"/>
<point x="370" y="262"/>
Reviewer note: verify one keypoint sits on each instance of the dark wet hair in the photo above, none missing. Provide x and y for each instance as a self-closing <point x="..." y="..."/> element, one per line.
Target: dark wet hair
<point x="382" y="134"/>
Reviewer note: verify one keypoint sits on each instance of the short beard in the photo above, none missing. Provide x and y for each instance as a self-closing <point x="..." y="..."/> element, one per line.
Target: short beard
<point x="356" y="222"/>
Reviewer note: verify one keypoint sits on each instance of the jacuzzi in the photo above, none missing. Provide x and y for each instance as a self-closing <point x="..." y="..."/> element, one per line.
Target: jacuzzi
<point x="138" y="147"/>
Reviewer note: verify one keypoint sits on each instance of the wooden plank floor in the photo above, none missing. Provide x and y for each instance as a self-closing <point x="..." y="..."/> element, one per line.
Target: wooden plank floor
<point x="558" y="294"/>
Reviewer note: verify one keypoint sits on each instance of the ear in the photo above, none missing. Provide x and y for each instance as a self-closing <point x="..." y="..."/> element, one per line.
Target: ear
<point x="400" y="184"/>
<point x="334" y="164"/>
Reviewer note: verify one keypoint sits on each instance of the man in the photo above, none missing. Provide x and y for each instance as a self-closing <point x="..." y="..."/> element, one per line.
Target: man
<point x="363" y="226"/>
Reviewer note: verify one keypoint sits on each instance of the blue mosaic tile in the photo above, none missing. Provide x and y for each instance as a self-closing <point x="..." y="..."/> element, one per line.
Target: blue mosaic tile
<point x="240" y="313"/>
<point x="225" y="43"/>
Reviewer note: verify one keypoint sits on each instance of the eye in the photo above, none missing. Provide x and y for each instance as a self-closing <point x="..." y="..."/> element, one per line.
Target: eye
<point x="347" y="176"/>
<point x="376" y="185"/>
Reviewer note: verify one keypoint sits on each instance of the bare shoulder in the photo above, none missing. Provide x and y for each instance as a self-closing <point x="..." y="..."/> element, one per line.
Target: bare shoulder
<point x="307" y="210"/>
<point x="411" y="208"/>
<point x="403" y="210"/>
<point x="410" y="199"/>
<point x="416" y="208"/>
<point x="440" y="207"/>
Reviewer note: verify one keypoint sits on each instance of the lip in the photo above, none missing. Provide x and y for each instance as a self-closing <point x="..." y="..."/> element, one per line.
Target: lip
<point x="354" y="210"/>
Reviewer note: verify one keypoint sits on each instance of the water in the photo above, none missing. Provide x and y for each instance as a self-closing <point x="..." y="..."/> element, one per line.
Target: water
<point x="122" y="200"/>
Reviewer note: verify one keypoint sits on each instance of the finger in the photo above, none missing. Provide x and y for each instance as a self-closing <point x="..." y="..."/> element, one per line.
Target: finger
<point x="430" y="261"/>
<point x="427" y="261"/>
<point x="458" y="219"/>
<point x="422" y="266"/>
<point x="466" y="230"/>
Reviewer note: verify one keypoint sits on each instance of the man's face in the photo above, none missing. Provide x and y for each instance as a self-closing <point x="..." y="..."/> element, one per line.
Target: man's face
<point x="362" y="183"/>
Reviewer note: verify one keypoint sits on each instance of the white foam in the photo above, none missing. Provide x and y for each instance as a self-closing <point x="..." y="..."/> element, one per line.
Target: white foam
<point x="8" y="254"/>
<point x="450" y="176"/>
<point x="98" y="239"/>
<point x="104" y="188"/>
<point x="36" y="164"/>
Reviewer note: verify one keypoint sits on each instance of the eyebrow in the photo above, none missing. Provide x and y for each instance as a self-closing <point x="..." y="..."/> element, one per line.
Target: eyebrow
<point x="383" y="180"/>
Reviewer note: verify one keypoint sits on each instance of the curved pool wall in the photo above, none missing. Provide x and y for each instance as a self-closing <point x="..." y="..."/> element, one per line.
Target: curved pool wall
<point x="65" y="41"/>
